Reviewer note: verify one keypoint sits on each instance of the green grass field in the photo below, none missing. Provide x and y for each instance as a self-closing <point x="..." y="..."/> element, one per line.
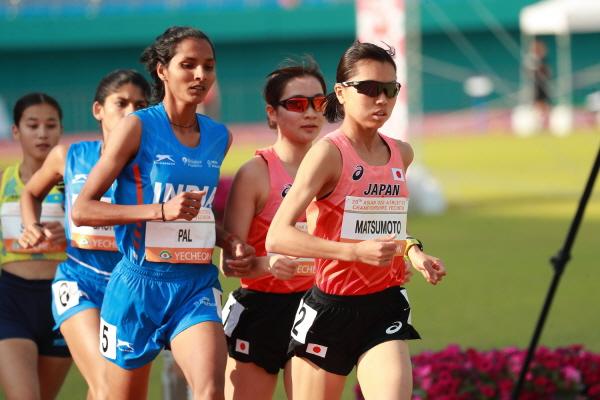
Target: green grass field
<point x="511" y="203"/>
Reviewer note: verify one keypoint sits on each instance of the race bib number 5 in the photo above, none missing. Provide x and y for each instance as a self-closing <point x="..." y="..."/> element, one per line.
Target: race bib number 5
<point x="108" y="340"/>
<point x="180" y="241"/>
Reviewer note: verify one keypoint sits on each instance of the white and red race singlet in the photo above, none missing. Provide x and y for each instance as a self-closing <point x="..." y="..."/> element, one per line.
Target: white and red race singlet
<point x="280" y="182"/>
<point x="368" y="202"/>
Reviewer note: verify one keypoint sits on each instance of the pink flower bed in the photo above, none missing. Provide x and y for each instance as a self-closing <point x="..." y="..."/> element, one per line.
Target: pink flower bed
<point x="455" y="374"/>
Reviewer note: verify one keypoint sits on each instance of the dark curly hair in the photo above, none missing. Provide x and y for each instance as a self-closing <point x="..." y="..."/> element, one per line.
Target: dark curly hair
<point x="163" y="50"/>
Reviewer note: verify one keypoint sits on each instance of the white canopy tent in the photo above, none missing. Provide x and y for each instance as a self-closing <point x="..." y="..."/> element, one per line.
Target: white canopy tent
<point x="560" y="18"/>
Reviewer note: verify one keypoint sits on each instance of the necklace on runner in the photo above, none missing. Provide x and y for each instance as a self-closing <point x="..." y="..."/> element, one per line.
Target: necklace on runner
<point x="193" y="124"/>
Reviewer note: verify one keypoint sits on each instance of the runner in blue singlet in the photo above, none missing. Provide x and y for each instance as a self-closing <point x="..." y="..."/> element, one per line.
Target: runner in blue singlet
<point x="80" y="281"/>
<point x="166" y="161"/>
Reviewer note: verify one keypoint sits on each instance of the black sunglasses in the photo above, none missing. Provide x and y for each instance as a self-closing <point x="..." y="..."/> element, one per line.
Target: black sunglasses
<point x="374" y="88"/>
<point x="301" y="103"/>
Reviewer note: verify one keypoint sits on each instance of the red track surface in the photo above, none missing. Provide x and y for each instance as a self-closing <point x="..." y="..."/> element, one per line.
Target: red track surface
<point x="441" y="124"/>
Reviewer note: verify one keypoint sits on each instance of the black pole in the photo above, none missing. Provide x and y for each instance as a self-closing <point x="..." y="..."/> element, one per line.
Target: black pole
<point x="559" y="261"/>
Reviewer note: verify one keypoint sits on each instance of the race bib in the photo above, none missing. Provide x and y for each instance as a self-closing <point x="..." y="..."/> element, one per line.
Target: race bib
<point x="306" y="266"/>
<point x="93" y="237"/>
<point x="303" y="321"/>
<point x="108" y="339"/>
<point x="232" y="310"/>
<point x="66" y="295"/>
<point x="367" y="218"/>
<point x="181" y="241"/>
<point x="12" y="227"/>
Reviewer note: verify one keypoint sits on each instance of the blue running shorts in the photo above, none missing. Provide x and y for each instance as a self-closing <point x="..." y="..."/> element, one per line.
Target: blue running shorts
<point x="76" y="288"/>
<point x="146" y="307"/>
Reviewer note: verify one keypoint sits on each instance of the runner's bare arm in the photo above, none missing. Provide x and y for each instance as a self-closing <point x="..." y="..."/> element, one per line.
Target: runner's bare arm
<point x="40" y="184"/>
<point x="406" y="152"/>
<point x="432" y="268"/>
<point x="119" y="149"/>
<point x="317" y="176"/>
<point x="237" y="255"/>
<point x="246" y="198"/>
<point x="33" y="194"/>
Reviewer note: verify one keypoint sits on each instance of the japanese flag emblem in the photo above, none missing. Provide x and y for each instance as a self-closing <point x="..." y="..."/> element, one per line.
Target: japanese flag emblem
<point x="316" y="349"/>
<point x="242" y="346"/>
<point x="398" y="174"/>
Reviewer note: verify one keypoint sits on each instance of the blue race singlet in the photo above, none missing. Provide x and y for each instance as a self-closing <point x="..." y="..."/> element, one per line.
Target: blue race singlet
<point x="91" y="247"/>
<point x="162" y="168"/>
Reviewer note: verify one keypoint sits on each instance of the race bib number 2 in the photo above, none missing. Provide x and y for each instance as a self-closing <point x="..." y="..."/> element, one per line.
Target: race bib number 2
<point x="182" y="242"/>
<point x="305" y="317"/>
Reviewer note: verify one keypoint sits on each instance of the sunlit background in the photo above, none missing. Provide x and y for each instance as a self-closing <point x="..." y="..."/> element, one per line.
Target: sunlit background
<point x="500" y="177"/>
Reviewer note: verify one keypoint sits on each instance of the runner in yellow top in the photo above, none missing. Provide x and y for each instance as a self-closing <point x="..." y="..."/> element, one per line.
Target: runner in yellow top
<point x="34" y="359"/>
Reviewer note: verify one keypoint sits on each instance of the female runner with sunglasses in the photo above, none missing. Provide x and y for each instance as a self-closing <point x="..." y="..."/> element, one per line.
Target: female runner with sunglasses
<point x="34" y="359"/>
<point x="258" y="316"/>
<point x="80" y="281"/>
<point x="165" y="290"/>
<point x="353" y="183"/>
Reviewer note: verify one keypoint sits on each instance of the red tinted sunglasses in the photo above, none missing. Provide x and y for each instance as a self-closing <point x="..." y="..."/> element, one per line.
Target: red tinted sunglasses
<point x="300" y="103"/>
<point x="374" y="88"/>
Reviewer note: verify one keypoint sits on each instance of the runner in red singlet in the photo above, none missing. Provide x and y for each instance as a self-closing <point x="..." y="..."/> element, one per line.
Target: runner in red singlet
<point x="354" y="185"/>
<point x="258" y="316"/>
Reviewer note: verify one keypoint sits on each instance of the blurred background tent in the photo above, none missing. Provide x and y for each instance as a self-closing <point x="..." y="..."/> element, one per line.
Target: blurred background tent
<point x="561" y="19"/>
<point x="65" y="46"/>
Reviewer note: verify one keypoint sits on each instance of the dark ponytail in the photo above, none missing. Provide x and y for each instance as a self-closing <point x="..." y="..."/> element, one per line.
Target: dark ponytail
<point x="33" y="99"/>
<point x="113" y="81"/>
<point x="334" y="111"/>
<point x="163" y="50"/>
<point x="289" y="69"/>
